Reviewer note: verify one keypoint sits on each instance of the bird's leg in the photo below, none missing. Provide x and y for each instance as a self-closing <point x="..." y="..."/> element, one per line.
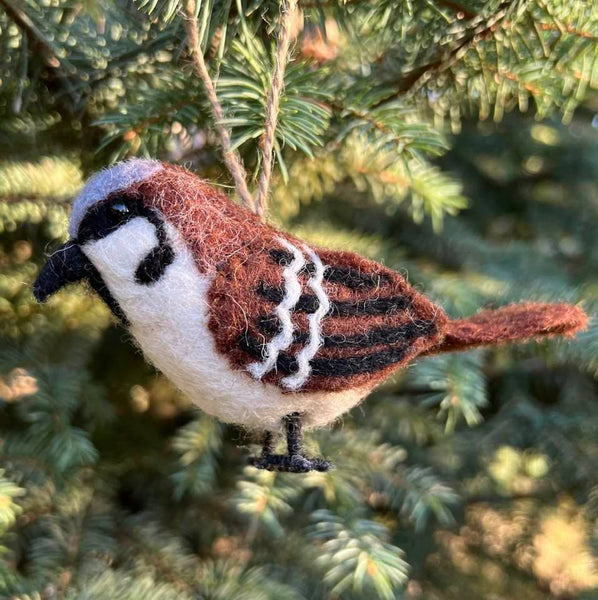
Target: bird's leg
<point x="294" y="461"/>
<point x="294" y="434"/>
<point x="267" y="456"/>
<point x="269" y="444"/>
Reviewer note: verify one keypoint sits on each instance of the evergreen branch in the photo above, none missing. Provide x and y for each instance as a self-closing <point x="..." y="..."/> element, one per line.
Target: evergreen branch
<point x="130" y="56"/>
<point x="243" y="90"/>
<point x="263" y="499"/>
<point x="320" y="4"/>
<point x="151" y="551"/>
<point x="231" y="157"/>
<point x="387" y="126"/>
<point x="158" y="117"/>
<point x="9" y="509"/>
<point x="41" y="200"/>
<point x="454" y="6"/>
<point x="570" y="29"/>
<point x="198" y="444"/>
<point x="458" y="8"/>
<point x="37" y="38"/>
<point x="33" y="34"/>
<point x="413" y="81"/>
<point x="459" y="387"/>
<point x="354" y="555"/>
<point x="287" y="12"/>
<point x="418" y="494"/>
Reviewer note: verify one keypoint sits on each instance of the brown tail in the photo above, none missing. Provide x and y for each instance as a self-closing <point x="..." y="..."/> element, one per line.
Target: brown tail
<point x="514" y="322"/>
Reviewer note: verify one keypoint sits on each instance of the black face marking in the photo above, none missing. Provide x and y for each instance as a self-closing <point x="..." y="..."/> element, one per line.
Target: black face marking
<point x="118" y="209"/>
<point x="309" y="303"/>
<point x="107" y="216"/>
<point x="329" y="367"/>
<point x="97" y="284"/>
<point x="351" y="278"/>
<point x="152" y="267"/>
<point x="407" y="332"/>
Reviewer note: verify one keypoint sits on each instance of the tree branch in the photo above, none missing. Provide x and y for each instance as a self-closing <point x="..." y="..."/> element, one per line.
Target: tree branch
<point x="37" y="39"/>
<point x="33" y="34"/>
<point x="287" y="11"/>
<point x="413" y="80"/>
<point x="458" y="8"/>
<point x="570" y="29"/>
<point x="232" y="160"/>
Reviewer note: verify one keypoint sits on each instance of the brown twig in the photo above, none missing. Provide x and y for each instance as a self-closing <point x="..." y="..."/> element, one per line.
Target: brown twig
<point x="287" y="11"/>
<point x="232" y="159"/>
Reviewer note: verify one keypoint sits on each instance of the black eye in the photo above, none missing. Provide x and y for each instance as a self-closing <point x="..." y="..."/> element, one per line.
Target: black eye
<point x="118" y="209"/>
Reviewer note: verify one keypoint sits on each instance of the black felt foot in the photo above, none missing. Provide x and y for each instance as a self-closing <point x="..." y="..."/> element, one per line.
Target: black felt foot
<point x="296" y="463"/>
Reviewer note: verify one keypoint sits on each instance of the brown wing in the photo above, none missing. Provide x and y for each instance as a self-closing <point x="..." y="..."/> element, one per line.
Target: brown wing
<point x="375" y="320"/>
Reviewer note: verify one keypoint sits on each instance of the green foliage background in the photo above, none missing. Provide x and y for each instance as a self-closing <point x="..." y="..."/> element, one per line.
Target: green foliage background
<point x="456" y="142"/>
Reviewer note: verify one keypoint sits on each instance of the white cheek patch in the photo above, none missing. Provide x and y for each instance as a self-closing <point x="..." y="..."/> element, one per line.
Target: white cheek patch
<point x="118" y="255"/>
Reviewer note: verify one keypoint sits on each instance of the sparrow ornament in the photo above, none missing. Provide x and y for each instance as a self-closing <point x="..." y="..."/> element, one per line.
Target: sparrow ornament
<point x="255" y="326"/>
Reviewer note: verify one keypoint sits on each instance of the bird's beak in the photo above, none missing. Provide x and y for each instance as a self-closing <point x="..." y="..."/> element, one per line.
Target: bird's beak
<point x="66" y="265"/>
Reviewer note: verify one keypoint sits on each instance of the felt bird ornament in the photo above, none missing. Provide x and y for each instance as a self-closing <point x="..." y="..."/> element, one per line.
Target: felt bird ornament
<point x="257" y="327"/>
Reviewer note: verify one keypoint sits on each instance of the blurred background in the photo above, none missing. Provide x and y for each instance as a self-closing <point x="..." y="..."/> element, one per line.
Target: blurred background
<point x="457" y="142"/>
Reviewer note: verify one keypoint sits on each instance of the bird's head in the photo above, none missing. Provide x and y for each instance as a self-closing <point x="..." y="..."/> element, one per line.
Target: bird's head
<point x="128" y="217"/>
<point x="111" y="209"/>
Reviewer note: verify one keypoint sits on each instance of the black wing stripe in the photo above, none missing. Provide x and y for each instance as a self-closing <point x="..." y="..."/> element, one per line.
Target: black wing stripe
<point x="309" y="303"/>
<point x="351" y="278"/>
<point x="269" y="325"/>
<point x="329" y="367"/>
<point x="354" y="279"/>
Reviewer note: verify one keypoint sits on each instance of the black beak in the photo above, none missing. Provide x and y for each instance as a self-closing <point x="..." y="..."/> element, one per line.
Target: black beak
<point x="66" y="265"/>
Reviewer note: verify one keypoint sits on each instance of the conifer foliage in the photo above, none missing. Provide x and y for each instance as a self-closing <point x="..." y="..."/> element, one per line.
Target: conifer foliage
<point x="454" y="141"/>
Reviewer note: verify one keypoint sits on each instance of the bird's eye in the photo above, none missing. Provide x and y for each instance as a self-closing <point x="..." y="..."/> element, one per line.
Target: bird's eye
<point x="119" y="209"/>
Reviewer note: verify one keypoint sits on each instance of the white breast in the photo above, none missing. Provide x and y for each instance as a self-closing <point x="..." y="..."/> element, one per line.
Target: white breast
<point x="169" y="320"/>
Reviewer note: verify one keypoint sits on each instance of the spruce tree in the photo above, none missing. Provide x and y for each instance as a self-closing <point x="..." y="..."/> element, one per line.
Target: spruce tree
<point x="454" y="141"/>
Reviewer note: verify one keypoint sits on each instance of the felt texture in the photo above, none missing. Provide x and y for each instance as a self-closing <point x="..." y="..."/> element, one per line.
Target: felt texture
<point x="169" y="320"/>
<point x="515" y="322"/>
<point x="290" y="296"/>
<point x="106" y="181"/>
<point x="295" y="461"/>
<point x="258" y="271"/>
<point x="250" y="322"/>
<point x="68" y="264"/>
<point x="341" y="312"/>
<point x="315" y="339"/>
<point x="115" y="211"/>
